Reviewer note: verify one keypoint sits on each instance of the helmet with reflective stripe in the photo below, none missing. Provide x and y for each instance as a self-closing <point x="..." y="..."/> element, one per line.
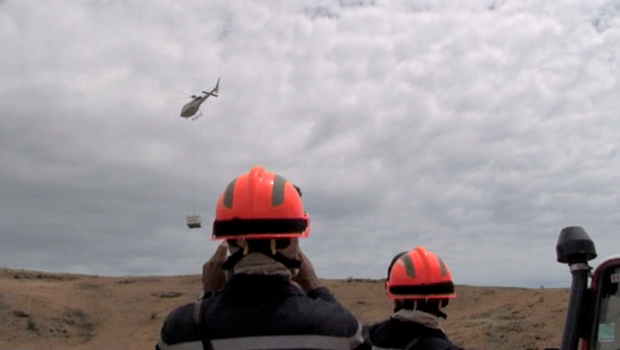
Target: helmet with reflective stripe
<point x="260" y="205"/>
<point x="419" y="274"/>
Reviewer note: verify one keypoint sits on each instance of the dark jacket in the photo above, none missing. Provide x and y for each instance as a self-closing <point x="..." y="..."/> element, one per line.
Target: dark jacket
<point x="411" y="330"/>
<point x="263" y="312"/>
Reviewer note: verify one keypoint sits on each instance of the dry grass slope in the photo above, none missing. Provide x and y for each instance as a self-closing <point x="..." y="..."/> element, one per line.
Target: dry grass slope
<point x="65" y="311"/>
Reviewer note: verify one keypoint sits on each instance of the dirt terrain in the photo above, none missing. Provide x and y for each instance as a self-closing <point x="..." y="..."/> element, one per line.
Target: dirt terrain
<point x="40" y="310"/>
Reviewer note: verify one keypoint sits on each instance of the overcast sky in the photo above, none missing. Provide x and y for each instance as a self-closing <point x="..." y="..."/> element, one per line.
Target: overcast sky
<point x="476" y="128"/>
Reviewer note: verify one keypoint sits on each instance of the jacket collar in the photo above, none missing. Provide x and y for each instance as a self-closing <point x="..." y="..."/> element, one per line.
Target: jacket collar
<point x="261" y="284"/>
<point x="416" y="316"/>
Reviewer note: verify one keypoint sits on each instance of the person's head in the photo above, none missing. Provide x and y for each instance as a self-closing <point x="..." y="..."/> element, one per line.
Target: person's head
<point x="420" y="280"/>
<point x="261" y="215"/>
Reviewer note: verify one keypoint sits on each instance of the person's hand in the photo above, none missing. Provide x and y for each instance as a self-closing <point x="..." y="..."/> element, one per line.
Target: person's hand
<point x="306" y="277"/>
<point x="213" y="276"/>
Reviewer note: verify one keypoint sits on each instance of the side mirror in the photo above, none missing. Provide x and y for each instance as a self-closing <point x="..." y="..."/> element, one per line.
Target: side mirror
<point x="574" y="246"/>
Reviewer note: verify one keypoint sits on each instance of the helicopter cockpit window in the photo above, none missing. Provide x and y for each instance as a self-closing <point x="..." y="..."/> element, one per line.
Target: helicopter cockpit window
<point x="608" y="337"/>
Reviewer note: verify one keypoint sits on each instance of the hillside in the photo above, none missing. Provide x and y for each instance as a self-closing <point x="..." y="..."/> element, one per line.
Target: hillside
<point x="40" y="310"/>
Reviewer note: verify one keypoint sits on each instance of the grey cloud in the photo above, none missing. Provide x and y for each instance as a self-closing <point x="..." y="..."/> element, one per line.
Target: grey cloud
<point x="479" y="134"/>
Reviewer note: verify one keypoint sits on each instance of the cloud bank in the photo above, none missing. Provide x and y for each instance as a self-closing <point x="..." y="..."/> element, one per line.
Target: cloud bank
<point x="478" y="129"/>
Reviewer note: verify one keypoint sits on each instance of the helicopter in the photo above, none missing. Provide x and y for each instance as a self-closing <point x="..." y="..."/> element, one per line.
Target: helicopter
<point x="192" y="108"/>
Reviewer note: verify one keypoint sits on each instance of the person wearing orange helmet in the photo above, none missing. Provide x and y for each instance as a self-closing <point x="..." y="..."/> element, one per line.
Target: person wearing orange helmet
<point x="260" y="289"/>
<point x="420" y="283"/>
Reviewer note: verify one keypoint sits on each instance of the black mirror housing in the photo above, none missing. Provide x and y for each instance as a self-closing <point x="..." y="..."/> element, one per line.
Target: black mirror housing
<point x="574" y="246"/>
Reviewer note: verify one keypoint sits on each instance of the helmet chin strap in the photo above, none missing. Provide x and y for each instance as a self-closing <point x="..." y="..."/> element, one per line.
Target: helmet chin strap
<point x="441" y="313"/>
<point x="269" y="251"/>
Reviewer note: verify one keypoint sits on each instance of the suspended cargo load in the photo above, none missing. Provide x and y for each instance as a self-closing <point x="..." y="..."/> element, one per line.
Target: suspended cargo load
<point x="194" y="221"/>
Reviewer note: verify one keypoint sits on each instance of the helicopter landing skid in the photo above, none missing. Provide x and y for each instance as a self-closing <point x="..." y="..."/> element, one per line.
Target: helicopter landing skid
<point x="197" y="115"/>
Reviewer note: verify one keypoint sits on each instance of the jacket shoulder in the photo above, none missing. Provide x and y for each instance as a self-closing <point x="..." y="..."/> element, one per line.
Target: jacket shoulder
<point x="179" y="326"/>
<point x="326" y="312"/>
<point x="395" y="334"/>
<point x="431" y="343"/>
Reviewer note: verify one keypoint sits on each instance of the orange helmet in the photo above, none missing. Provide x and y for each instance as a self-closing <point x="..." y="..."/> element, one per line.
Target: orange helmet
<point x="419" y="274"/>
<point x="260" y="205"/>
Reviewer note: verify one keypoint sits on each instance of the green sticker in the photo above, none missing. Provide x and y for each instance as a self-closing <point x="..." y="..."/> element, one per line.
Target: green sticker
<point x="606" y="332"/>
